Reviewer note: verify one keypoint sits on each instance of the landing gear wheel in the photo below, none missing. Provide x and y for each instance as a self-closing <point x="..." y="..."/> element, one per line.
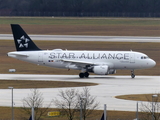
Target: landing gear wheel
<point x="81" y="75"/>
<point x="132" y="74"/>
<point x="86" y="74"/>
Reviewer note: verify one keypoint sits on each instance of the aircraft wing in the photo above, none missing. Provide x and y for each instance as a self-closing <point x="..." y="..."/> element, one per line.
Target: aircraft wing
<point x="83" y="64"/>
<point x="78" y="63"/>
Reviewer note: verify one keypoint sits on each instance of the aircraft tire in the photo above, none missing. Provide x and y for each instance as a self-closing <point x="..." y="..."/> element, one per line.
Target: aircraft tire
<point x="86" y="74"/>
<point x="133" y="76"/>
<point x="81" y="75"/>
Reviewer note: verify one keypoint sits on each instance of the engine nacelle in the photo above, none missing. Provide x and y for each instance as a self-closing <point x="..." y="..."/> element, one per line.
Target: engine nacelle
<point x="112" y="71"/>
<point x="100" y="70"/>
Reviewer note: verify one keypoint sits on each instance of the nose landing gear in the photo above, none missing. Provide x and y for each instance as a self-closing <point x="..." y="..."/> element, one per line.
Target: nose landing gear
<point x="132" y="74"/>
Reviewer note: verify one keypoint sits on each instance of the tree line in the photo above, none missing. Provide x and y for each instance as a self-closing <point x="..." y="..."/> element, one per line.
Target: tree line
<point x="80" y="7"/>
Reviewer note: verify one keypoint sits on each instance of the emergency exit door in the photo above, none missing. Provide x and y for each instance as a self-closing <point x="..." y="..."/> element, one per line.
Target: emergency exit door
<point x="132" y="58"/>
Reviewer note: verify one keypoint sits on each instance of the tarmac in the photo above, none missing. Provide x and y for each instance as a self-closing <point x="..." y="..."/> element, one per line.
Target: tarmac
<point x="108" y="87"/>
<point x="86" y="38"/>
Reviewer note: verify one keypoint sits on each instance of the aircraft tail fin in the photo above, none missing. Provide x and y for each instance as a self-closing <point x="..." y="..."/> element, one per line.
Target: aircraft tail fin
<point x="22" y="41"/>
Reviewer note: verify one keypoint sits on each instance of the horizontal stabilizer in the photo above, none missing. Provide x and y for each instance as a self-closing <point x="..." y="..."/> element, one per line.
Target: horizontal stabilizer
<point x="17" y="54"/>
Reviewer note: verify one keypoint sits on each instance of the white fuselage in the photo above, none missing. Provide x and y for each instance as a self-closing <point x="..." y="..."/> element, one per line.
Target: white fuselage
<point x="64" y="59"/>
<point x="98" y="62"/>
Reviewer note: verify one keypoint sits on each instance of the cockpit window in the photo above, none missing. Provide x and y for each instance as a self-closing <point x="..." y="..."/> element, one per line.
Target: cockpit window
<point x="144" y="57"/>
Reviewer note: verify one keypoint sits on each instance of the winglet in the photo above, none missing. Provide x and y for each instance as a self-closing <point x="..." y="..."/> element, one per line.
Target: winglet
<point x="22" y="41"/>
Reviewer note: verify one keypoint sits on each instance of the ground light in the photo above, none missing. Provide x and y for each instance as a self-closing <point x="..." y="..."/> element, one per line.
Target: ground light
<point x="12" y="103"/>
<point x="153" y="107"/>
<point x="81" y="100"/>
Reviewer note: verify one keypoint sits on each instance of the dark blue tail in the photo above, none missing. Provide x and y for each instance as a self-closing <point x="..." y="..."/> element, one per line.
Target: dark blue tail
<point x="22" y="41"/>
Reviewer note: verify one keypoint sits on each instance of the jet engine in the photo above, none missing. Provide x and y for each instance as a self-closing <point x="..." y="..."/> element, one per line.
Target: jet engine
<point x="100" y="70"/>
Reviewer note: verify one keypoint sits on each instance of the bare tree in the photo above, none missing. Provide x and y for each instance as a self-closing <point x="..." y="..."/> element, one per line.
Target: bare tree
<point x="34" y="99"/>
<point x="89" y="103"/>
<point x="71" y="102"/>
<point x="67" y="102"/>
<point x="151" y="108"/>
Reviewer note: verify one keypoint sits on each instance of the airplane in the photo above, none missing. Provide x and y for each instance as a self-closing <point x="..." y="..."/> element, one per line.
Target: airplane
<point x="97" y="62"/>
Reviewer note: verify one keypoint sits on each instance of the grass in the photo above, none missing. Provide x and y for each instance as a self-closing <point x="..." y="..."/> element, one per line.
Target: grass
<point x="23" y="84"/>
<point x="78" y="21"/>
<point x="138" y="97"/>
<point x="111" y="115"/>
<point x="83" y="26"/>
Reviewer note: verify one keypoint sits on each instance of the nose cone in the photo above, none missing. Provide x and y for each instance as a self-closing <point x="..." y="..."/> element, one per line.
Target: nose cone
<point x="152" y="63"/>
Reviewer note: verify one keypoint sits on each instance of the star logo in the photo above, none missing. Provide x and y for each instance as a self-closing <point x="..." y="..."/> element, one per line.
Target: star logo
<point x="23" y="42"/>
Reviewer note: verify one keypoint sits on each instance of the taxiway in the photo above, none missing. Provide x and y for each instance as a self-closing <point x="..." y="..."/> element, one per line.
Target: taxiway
<point x="108" y="87"/>
<point x="86" y="38"/>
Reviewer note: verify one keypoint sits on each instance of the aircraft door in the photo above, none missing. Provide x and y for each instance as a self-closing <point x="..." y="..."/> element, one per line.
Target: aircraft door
<point x="132" y="58"/>
<point x="40" y="57"/>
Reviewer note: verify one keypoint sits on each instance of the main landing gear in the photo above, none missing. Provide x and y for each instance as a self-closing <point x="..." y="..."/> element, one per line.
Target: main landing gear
<point x="132" y="74"/>
<point x="82" y="75"/>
